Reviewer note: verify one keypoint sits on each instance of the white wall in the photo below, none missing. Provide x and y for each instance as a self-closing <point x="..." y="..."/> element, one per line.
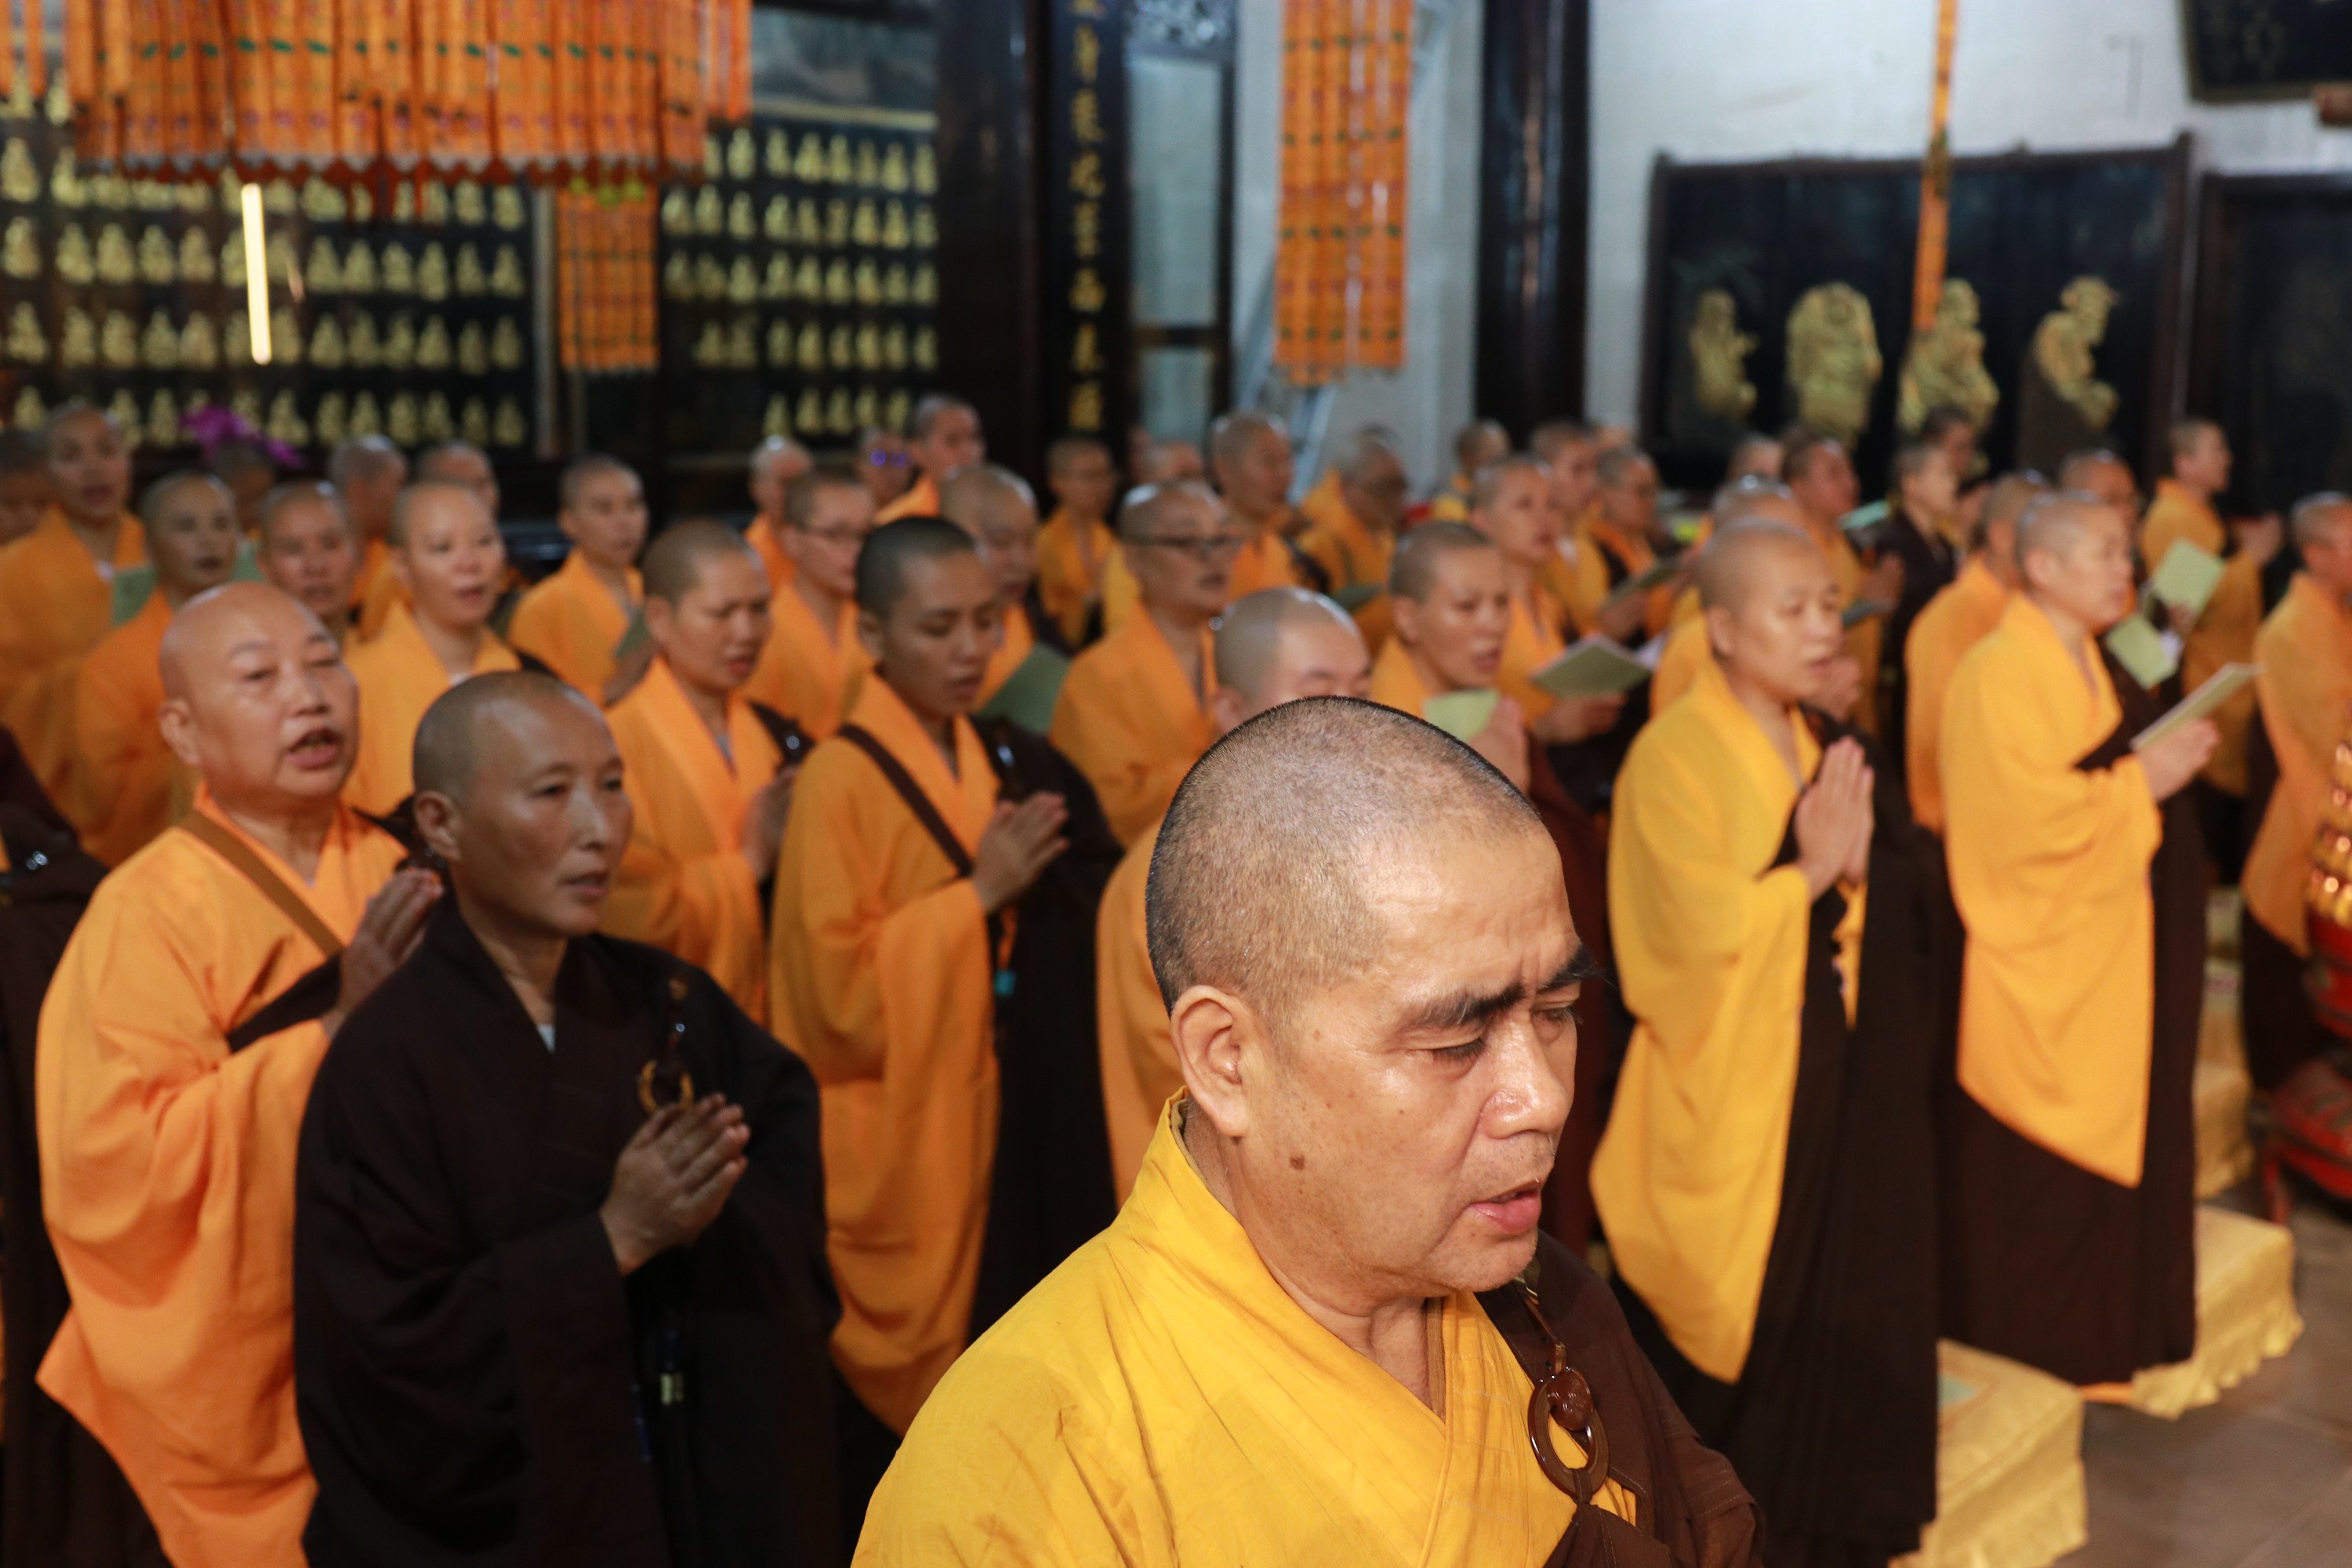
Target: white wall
<point x="1732" y="79"/>
<point x="1429" y="399"/>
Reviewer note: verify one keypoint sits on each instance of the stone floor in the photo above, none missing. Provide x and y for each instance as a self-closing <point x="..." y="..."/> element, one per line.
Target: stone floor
<point x="2263" y="1479"/>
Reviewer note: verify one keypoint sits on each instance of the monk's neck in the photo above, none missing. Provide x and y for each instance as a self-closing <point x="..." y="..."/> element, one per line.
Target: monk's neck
<point x="529" y="958"/>
<point x="2193" y="489"/>
<point x="295" y="832"/>
<point x="100" y="538"/>
<point x="613" y="579"/>
<point x="2072" y="634"/>
<point x="1521" y="576"/>
<point x="826" y="609"/>
<point x="1770" y="711"/>
<point x="1263" y="524"/>
<point x="456" y="646"/>
<point x="1182" y="635"/>
<point x="708" y="706"/>
<point x="1434" y="683"/>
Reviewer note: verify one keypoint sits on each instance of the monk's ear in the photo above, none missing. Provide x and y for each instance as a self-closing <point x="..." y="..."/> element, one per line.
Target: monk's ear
<point x="398" y="560"/>
<point x="1719" y="629"/>
<point x="1227" y="709"/>
<point x="436" y="823"/>
<point x="1404" y="616"/>
<point x="660" y="617"/>
<point x="177" y="720"/>
<point x="869" y="635"/>
<point x="1218" y="1040"/>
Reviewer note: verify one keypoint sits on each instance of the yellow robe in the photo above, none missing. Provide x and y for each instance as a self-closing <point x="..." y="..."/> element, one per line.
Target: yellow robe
<point x="1138" y="1059"/>
<point x="1018" y="642"/>
<point x="1071" y="564"/>
<point x="1353" y="556"/>
<point x="1131" y="722"/>
<point x="2305" y="687"/>
<point x="1397" y="684"/>
<point x="380" y="589"/>
<point x="571" y="623"/>
<point x="1688" y="651"/>
<point x="399" y="677"/>
<point x="125" y="785"/>
<point x="881" y="980"/>
<point x="1122" y="593"/>
<point x="1160" y="1400"/>
<point x="2050" y="869"/>
<point x="1533" y="641"/>
<point x="1953" y="621"/>
<point x="1588" y="576"/>
<point x="1710" y="944"/>
<point x="168" y="1171"/>
<point x="921" y="499"/>
<point x="804" y="675"/>
<point x="2224" y="634"/>
<point x="56" y="603"/>
<point x="1266" y="562"/>
<point x="684" y="885"/>
<point x="1452" y="504"/>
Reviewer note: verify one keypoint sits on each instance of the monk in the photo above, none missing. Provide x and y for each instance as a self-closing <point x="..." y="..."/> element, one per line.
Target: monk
<point x="2305" y="694"/>
<point x="1075" y="545"/>
<point x="1820" y="475"/>
<point x="1453" y="594"/>
<point x="1301" y="1340"/>
<point x="996" y="507"/>
<point x="814" y="664"/>
<point x="534" y="1322"/>
<point x="2097" y="471"/>
<point x="1928" y="533"/>
<point x="123" y="793"/>
<point x="1956" y="620"/>
<point x="573" y="620"/>
<point x="448" y="556"/>
<point x="1757" y="456"/>
<point x="24" y="484"/>
<point x="1250" y="458"/>
<point x="177" y="1052"/>
<point x="2223" y="632"/>
<point x="904" y="851"/>
<point x="370" y="473"/>
<point x="250" y="472"/>
<point x="1134" y="711"/>
<point x="1476" y="445"/>
<point x="1277" y="645"/>
<point x="1617" y="541"/>
<point x="883" y="464"/>
<point x="1766" y="1179"/>
<point x="306" y="547"/>
<point x="775" y="463"/>
<point x="707" y="770"/>
<point x="461" y="463"/>
<point x="56" y="586"/>
<point x="943" y="436"/>
<point x="1353" y="537"/>
<point x="2069" y="1188"/>
<point x="1567" y="447"/>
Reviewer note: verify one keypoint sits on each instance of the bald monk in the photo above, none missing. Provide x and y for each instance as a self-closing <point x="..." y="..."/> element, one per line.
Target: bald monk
<point x="1928" y="530"/>
<point x="573" y="620"/>
<point x="2097" y="471"/>
<point x="996" y="507"/>
<point x="1300" y="1341"/>
<point x="122" y="793"/>
<point x="2305" y="695"/>
<point x="1275" y="645"/>
<point x="449" y="560"/>
<point x="176" y="1051"/>
<point x="2069" y="1190"/>
<point x="1820" y="475"/>
<point x="56" y="586"/>
<point x="1352" y="537"/>
<point x="1075" y="545"/>
<point x="306" y="547"/>
<point x="1956" y="619"/>
<point x="964" y="1152"/>
<point x="814" y="664"/>
<point x="1250" y="458"/>
<point x="1134" y="710"/>
<point x="370" y="472"/>
<point x="465" y="464"/>
<point x="535" y="1323"/>
<point x="1615" y="542"/>
<point x="943" y="436"/>
<point x="1476" y="445"/>
<point x="707" y="768"/>
<point x="775" y="463"/>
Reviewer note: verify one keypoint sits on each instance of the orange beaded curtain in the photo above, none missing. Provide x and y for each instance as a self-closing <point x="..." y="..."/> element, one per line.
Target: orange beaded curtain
<point x="1936" y="179"/>
<point x="604" y="278"/>
<point x="1339" y="271"/>
<point x="619" y="84"/>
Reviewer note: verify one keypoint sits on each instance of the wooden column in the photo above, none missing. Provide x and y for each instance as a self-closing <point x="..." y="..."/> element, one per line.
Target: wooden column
<point x="1534" y="185"/>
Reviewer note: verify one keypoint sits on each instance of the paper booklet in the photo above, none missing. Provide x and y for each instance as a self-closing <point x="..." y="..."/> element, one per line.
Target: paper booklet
<point x="2186" y="578"/>
<point x="2220" y="686"/>
<point x="1462" y="714"/>
<point x="1596" y="667"/>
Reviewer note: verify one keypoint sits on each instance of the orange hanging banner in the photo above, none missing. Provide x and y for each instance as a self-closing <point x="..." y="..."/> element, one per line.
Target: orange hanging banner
<point x="1935" y="178"/>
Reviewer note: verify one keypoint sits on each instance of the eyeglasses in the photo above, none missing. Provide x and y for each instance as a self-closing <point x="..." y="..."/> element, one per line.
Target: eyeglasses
<point x="887" y="459"/>
<point x="1200" y="547"/>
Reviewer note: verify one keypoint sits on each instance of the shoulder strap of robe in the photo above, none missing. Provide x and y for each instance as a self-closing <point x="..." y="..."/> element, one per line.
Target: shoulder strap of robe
<point x="912" y="795"/>
<point x="266" y="882"/>
<point x="789" y="737"/>
<point x="1306" y="566"/>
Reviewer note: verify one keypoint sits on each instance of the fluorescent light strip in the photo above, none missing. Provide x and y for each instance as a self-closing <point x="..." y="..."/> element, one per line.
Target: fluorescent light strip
<point x="256" y="272"/>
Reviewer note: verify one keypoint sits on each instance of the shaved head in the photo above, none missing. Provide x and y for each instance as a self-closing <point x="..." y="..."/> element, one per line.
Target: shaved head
<point x="257" y="700"/>
<point x="889" y="551"/>
<point x="1257" y="881"/>
<point x="1728" y="566"/>
<point x="1147" y="508"/>
<point x="673" y="565"/>
<point x="970" y="496"/>
<point x="449" y="752"/>
<point x="201" y="634"/>
<point x="2055" y="521"/>
<point x="1420" y="554"/>
<point x="2318" y="517"/>
<point x="1756" y="496"/>
<point x="1249" y="637"/>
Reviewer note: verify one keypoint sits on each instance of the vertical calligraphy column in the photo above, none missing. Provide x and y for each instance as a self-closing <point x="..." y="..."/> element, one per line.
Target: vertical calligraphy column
<point x="1089" y="381"/>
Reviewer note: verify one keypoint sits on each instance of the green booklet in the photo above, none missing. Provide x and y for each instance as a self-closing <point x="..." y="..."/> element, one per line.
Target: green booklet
<point x="1356" y="595"/>
<point x="2186" y="576"/>
<point x="1029" y="693"/>
<point x="633" y="638"/>
<point x="1595" y="666"/>
<point x="1863" y="610"/>
<point x="1660" y="571"/>
<point x="1464" y="715"/>
<point x="2220" y="686"/>
<point x="2143" y="650"/>
<point x="1863" y="518"/>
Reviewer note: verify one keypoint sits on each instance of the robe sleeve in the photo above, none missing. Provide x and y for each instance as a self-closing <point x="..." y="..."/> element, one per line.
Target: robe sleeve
<point x="2304" y="697"/>
<point x="700" y="907"/>
<point x="125" y="771"/>
<point x="1094" y="731"/>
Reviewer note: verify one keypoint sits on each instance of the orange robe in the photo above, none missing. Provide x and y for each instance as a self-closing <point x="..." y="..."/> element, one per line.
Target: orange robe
<point x="1121" y="593"/>
<point x="1138" y="1057"/>
<point x="761" y="537"/>
<point x="881" y="980"/>
<point x="1397" y="684"/>
<point x="1533" y="641"/>
<point x="684" y="885"/>
<point x="2306" y="692"/>
<point x="168" y="1169"/>
<point x="1131" y="722"/>
<point x="1687" y="652"/>
<point x="1015" y="646"/>
<point x="1266" y="562"/>
<point x="1353" y="556"/>
<point x="1862" y="639"/>
<point x="1071" y="564"/>
<point x="380" y="588"/>
<point x="399" y="677"/>
<point x="1956" y="620"/>
<point x="124" y="797"/>
<point x="1596" y="542"/>
<point x="2050" y="868"/>
<point x="56" y="603"/>
<point x="1452" y="504"/>
<point x="801" y="674"/>
<point x="2224" y="634"/>
<point x="921" y="499"/>
<point x="571" y="623"/>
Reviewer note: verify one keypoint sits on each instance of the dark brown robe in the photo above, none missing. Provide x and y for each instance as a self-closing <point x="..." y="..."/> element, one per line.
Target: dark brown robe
<point x="1602" y="1024"/>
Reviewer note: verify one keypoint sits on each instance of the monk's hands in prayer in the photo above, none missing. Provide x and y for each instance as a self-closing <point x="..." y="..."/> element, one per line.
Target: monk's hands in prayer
<point x="1841" y="691"/>
<point x="388" y="932"/>
<point x="1625" y="619"/>
<point x="1884" y="583"/>
<point x="763" y="823"/>
<point x="1018" y="844"/>
<point x="673" y="1179"/>
<point x="2261" y="538"/>
<point x="2170" y="763"/>
<point x="1577" y="719"/>
<point x="1504" y="743"/>
<point x="1833" y="821"/>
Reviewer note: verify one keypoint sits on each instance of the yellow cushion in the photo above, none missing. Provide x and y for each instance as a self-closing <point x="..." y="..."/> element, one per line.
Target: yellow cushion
<point x="2245" y="1312"/>
<point x="2225" y="1155"/>
<point x="2009" y="1467"/>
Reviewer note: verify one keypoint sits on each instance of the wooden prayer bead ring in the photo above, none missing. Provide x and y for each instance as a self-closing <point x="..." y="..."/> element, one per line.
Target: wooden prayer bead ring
<point x="645" y="1088"/>
<point x="1562" y="1396"/>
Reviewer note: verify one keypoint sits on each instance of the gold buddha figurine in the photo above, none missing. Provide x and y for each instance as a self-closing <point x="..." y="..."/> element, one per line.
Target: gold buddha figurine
<point x="66" y="187"/>
<point x="434" y="422"/>
<point x="837" y="166"/>
<point x="709" y="278"/>
<point x="780" y="344"/>
<point x="868" y="282"/>
<point x="471" y="281"/>
<point x="866" y="229"/>
<point x="245" y="404"/>
<point x="117" y="341"/>
<point x="742" y="282"/>
<point x="20" y="179"/>
<point x="322" y="274"/>
<point x="807" y="226"/>
<point x="400" y="420"/>
<point x="506" y="208"/>
<point x="155" y="259"/>
<point x="403" y="201"/>
<point x="710" y="211"/>
<point x="810" y="352"/>
<point x="399" y="269"/>
<point x="473" y="422"/>
<point x="740" y="224"/>
<point x="776" y="419"/>
<point x="837" y="288"/>
<point x="894" y="285"/>
<point x="196" y="257"/>
<point x="505" y="274"/>
<point x="840" y="347"/>
<point x="714" y="157"/>
<point x="508" y="426"/>
<point x="32" y="410"/>
<point x="361" y="347"/>
<point x="158" y="345"/>
<point x="20" y="253"/>
<point x="743" y="344"/>
<point x="151" y="195"/>
<point x="366" y="419"/>
<point x="286" y="422"/>
<point x="809" y="167"/>
<point x="926" y="349"/>
<point x="163" y="418"/>
<point x="809" y="283"/>
<point x="927" y="285"/>
<point x="285" y="336"/>
<point x="677" y="212"/>
<point x="678" y="276"/>
<point x="327" y="344"/>
<point x="124" y="412"/>
<point x="400" y="344"/>
<point x="742" y="157"/>
<point x="332" y="422"/>
<point x="894" y="168"/>
<point x="840" y="418"/>
<point x="199" y="343"/>
<point x="867" y="409"/>
<point x="776" y="222"/>
<point x="711" y="346"/>
<point x="279" y="200"/>
<point x="433" y="274"/>
<point x="869" y="165"/>
<point x="236" y="339"/>
<point x="778" y="282"/>
<point x="322" y="203"/>
<point x="278" y="256"/>
<point x="193" y="196"/>
<point x="359" y="268"/>
<point x="110" y="191"/>
<point x="894" y="348"/>
<point x="473" y="350"/>
<point x="809" y="419"/>
<point x="27" y="344"/>
<point x="869" y="346"/>
<point x="472" y="204"/>
<point x="506" y="344"/>
<point x="115" y="263"/>
<point x="895" y="232"/>
<point x="433" y="346"/>
<point x="927" y="229"/>
<point x="927" y="174"/>
<point x="779" y="158"/>
<point x="433" y="204"/>
<point x="836" y="222"/>
<point x="231" y="189"/>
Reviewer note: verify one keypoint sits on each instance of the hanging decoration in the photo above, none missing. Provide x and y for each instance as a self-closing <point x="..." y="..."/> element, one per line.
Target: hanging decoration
<point x="1936" y="179"/>
<point x="455" y="85"/>
<point x="1340" y="259"/>
<point x="604" y="243"/>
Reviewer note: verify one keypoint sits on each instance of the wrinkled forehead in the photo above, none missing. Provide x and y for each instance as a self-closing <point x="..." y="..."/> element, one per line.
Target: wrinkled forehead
<point x="1475" y="901"/>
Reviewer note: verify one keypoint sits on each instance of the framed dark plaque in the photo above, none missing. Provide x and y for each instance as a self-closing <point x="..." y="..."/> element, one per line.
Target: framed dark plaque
<point x="2238" y="49"/>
